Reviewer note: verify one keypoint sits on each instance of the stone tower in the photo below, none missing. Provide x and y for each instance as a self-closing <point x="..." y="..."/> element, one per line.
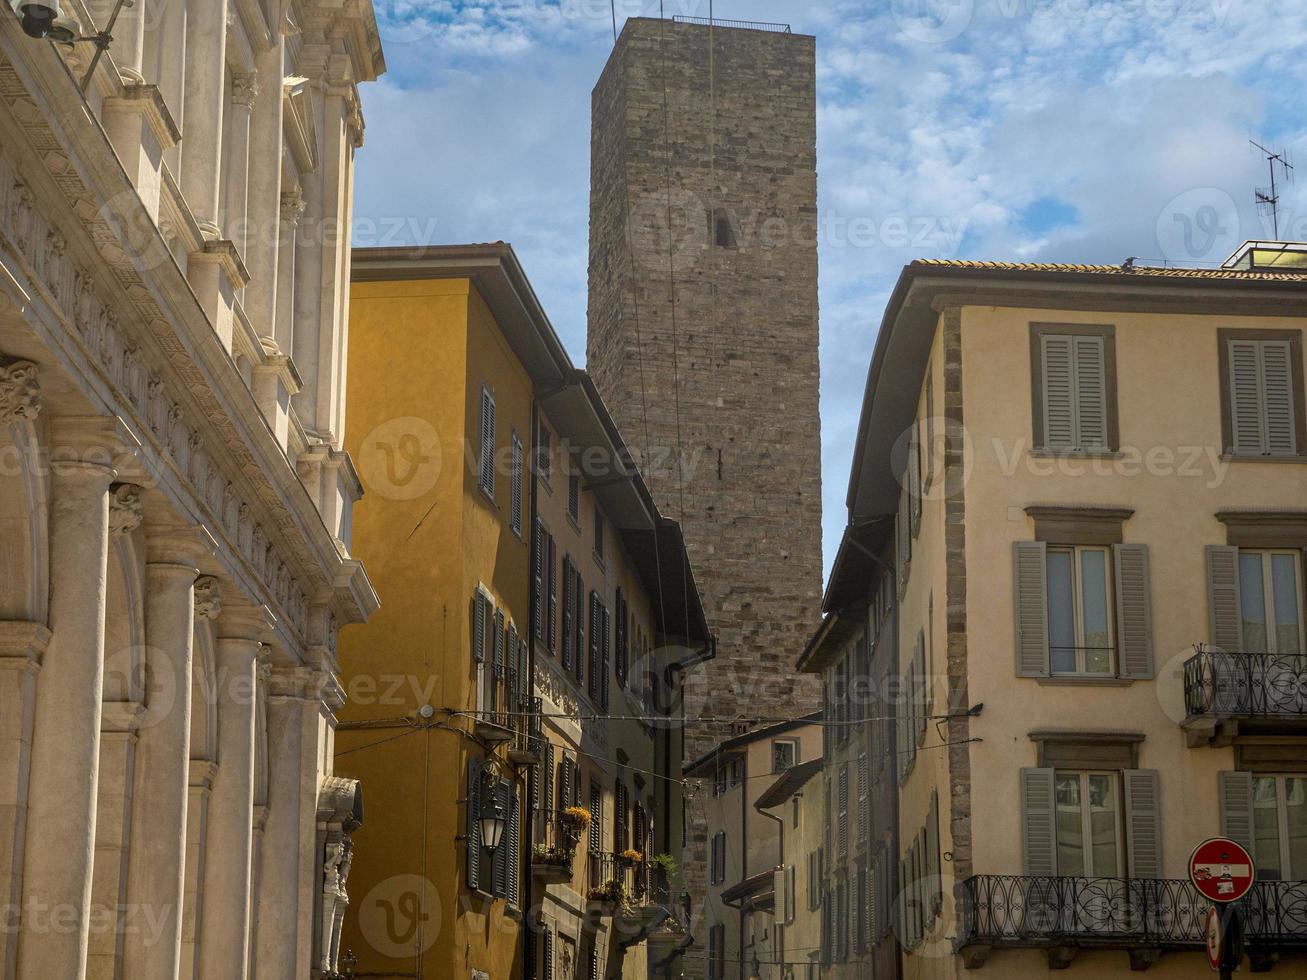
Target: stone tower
<point x="703" y="330"/>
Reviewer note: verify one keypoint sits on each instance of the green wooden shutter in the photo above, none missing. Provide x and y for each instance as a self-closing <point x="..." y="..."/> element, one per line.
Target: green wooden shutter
<point x="1143" y="823"/>
<point x="1091" y="394"/>
<point x="515" y="488"/>
<point x="480" y="610"/>
<point x="546" y="954"/>
<point x="1224" y="616"/>
<point x="1247" y="421"/>
<point x="514" y="835"/>
<point x="497" y="644"/>
<point x="538" y="578"/>
<point x="1236" y="802"/>
<point x="1030" y="587"/>
<point x="1277" y="391"/>
<point x="473" y="824"/>
<point x="1134" y="622"/>
<point x="1038" y="822"/>
<point x="1059" y="393"/>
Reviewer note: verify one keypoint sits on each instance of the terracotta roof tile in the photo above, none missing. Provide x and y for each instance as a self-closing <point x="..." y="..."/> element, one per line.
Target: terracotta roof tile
<point x="1152" y="271"/>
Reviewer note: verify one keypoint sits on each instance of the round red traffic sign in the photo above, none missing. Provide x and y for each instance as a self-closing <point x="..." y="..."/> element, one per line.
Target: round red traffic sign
<point x="1213" y="934"/>
<point x="1221" y="870"/>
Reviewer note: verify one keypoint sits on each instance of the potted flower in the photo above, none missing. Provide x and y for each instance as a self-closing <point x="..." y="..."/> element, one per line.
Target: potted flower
<point x="630" y="857"/>
<point x="605" y="898"/>
<point x="575" y="821"/>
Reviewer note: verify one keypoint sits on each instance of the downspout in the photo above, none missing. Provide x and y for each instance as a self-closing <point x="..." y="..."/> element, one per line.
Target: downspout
<point x="778" y="943"/>
<point x="528" y="938"/>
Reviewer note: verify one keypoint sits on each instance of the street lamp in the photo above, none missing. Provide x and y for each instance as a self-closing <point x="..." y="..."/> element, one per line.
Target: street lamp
<point x="39" y="19"/>
<point x="491" y="822"/>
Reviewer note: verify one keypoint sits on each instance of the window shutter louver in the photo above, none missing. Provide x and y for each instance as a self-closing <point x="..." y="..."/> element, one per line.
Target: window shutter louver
<point x="516" y="676"/>
<point x="500" y="859"/>
<point x="920" y="682"/>
<point x="844" y="810"/>
<point x="1134" y="625"/>
<point x="1277" y="389"/>
<point x="864" y="801"/>
<point x="546" y="954"/>
<point x="579" y="622"/>
<point x="1091" y="394"/>
<point x="551" y="626"/>
<point x="576" y="786"/>
<point x="596" y="819"/>
<point x="538" y="579"/>
<point x="564" y="785"/>
<point x="488" y="441"/>
<point x="593" y="665"/>
<point x="514" y="832"/>
<point x="1031" y="586"/>
<point x="933" y="883"/>
<point x="473" y="824"/>
<point x="604" y="661"/>
<point x="1038" y="822"/>
<point x="497" y="645"/>
<point x="1247" y="422"/>
<point x="515" y="494"/>
<point x="1143" y="823"/>
<point x="479" y="611"/>
<point x="1236" y="801"/>
<point x="1225" y="617"/>
<point x="914" y="480"/>
<point x="567" y="612"/>
<point x="1059" y="393"/>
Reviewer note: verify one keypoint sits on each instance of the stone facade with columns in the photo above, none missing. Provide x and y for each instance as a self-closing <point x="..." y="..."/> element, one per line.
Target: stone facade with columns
<point x="174" y="493"/>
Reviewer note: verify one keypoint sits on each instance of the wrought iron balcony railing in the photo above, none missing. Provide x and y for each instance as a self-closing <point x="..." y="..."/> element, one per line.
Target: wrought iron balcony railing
<point x="1120" y="913"/>
<point x="1245" y="685"/>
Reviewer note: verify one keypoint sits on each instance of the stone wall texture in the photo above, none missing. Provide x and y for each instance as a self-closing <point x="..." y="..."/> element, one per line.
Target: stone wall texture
<point x="703" y="333"/>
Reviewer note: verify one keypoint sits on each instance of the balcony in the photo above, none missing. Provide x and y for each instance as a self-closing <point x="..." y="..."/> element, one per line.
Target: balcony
<point x="1227" y="694"/>
<point x="512" y="719"/>
<point x="527" y="748"/>
<point x="554" y="856"/>
<point x="1141" y="916"/>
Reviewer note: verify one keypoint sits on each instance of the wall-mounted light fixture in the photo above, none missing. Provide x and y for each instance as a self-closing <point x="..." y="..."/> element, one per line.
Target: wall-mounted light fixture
<point x="492" y="821"/>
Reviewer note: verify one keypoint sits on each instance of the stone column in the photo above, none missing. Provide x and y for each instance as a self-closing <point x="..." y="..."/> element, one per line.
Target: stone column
<point x="263" y="205"/>
<point x="224" y="933"/>
<point x="169" y="58"/>
<point x="292" y="208"/>
<point x="277" y="906"/>
<point x="66" y="730"/>
<point x="204" y="88"/>
<point x="129" y="42"/>
<point x="236" y="128"/>
<point x="156" y="864"/>
<point x="21" y="645"/>
<point x="310" y="328"/>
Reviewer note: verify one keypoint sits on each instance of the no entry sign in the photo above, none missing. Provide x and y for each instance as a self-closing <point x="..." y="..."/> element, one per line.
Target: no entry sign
<point x="1221" y="870"/>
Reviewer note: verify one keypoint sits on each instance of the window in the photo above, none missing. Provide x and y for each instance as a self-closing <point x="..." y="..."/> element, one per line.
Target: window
<point x="719" y="781"/>
<point x="623" y="655"/>
<point x="1074" y="398"/>
<point x="543" y="454"/>
<point x="1088" y="824"/>
<point x="717" y="868"/>
<point x="843" y="814"/>
<point x="596" y="841"/>
<point x="569" y="608"/>
<point x="599" y="535"/>
<point x="1079" y="611"/>
<point x="545" y="968"/>
<point x="717" y="952"/>
<point x="515" y="493"/>
<point x="723" y="228"/>
<point x="574" y="496"/>
<point x="784" y="754"/>
<point x="486" y="477"/>
<point x="1280" y="827"/>
<point x="735" y="769"/>
<point x="1270" y="601"/>
<point x="1262" y="392"/>
<point x="546" y="588"/>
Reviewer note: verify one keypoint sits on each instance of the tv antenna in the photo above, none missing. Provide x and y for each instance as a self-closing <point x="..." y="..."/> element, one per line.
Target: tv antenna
<point x="1268" y="198"/>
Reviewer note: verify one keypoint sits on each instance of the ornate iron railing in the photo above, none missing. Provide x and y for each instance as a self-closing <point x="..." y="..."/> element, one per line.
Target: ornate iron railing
<point x="528" y="732"/>
<point x="1023" y="910"/>
<point x="752" y="25"/>
<point x="1261" y="685"/>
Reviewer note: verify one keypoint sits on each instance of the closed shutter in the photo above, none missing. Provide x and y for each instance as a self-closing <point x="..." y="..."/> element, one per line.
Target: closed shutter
<point x="516" y="674"/>
<point x="933" y="883"/>
<point x="480" y="609"/>
<point x="1277" y="389"/>
<point x="1236" y="802"/>
<point x="538" y="579"/>
<point x="844" y="810"/>
<point x="864" y="801"/>
<point x="1091" y="394"/>
<point x="564" y="785"/>
<point x="1038" y="822"/>
<point x="596" y="819"/>
<point x="513" y="895"/>
<point x="930" y="425"/>
<point x="593" y="665"/>
<point x="546" y="954"/>
<point x="500" y="859"/>
<point x="487" y="441"/>
<point x="545" y="785"/>
<point x="576" y="786"/>
<point x="1134" y="620"/>
<point x="621" y="660"/>
<point x="1059" y="393"/>
<point x="497" y="645"/>
<point x="568" y="639"/>
<point x="1224" y="616"/>
<point x="1246" y="418"/>
<point x="914" y="480"/>
<point x="551" y="619"/>
<point x="920" y="681"/>
<point x="603" y="660"/>
<point x="903" y="537"/>
<point x="578" y="621"/>
<point x="1030" y="585"/>
<point x="515" y="493"/>
<point x="473" y="832"/>
<point x="1143" y="823"/>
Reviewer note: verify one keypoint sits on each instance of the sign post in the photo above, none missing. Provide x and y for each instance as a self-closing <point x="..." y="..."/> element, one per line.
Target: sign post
<point x="1223" y="872"/>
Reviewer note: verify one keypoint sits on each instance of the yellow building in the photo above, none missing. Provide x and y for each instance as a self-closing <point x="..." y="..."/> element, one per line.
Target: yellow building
<point x="1068" y="618"/>
<point x="518" y="553"/>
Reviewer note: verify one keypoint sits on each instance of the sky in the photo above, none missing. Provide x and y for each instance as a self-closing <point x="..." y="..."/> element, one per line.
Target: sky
<point x="1030" y="130"/>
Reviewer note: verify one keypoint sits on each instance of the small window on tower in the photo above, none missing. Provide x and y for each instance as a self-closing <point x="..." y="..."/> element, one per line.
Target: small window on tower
<point x="723" y="229"/>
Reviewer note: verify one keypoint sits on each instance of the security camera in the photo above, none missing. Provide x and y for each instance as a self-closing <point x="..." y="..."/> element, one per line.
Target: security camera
<point x="38" y="16"/>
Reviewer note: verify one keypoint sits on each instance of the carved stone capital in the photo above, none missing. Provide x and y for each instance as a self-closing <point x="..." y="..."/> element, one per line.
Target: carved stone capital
<point x="244" y="89"/>
<point x="125" y="513"/>
<point x="292" y="206"/>
<point x="208" y="598"/>
<point x="20" y="392"/>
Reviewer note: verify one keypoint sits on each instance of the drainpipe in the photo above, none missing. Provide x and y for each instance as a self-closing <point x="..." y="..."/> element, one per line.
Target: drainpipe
<point x="524" y="873"/>
<point x="778" y="943"/>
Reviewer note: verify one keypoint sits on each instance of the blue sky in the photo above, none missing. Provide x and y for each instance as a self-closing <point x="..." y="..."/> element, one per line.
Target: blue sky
<point x="1058" y="130"/>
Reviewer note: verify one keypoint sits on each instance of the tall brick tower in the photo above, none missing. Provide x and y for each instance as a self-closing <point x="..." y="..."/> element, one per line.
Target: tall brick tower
<point x="703" y="329"/>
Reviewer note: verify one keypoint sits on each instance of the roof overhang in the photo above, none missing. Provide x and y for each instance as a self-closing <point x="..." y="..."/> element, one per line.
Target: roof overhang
<point x="788" y="784"/>
<point x="706" y="763"/>
<point x="758" y="888"/>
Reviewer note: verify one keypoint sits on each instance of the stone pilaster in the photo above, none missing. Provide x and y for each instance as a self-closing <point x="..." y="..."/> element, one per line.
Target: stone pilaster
<point x="65" y="753"/>
<point x="236" y="126"/>
<point x="204" y="89"/>
<point x="158" y="854"/>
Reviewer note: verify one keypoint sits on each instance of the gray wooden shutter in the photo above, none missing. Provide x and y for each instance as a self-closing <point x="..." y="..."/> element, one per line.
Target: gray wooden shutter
<point x="514" y="834"/>
<point x="1091" y="394"/>
<point x="1030" y="585"/>
<point x="1038" y="822"/>
<point x="473" y="824"/>
<point x="1236" y="802"/>
<point x="546" y="953"/>
<point x="551" y="625"/>
<point x="515" y="488"/>
<point x="499" y="860"/>
<point x="487" y="441"/>
<point x="1246" y="418"/>
<point x="578" y="620"/>
<point x="1134" y="619"/>
<point x="919" y="684"/>
<point x="914" y="479"/>
<point x="497" y="645"/>
<point x="479" y="611"/>
<point x="1058" y="393"/>
<point x="1224" y="615"/>
<point x="568" y="638"/>
<point x="1143" y="823"/>
<point x="604" y="659"/>
<point x="1277" y="390"/>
